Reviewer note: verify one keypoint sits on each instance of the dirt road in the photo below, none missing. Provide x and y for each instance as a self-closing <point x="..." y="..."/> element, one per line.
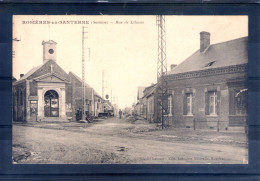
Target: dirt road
<point x="122" y="141"/>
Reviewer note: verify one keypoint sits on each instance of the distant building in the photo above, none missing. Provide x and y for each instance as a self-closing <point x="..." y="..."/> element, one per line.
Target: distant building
<point x="115" y="106"/>
<point x="127" y="111"/>
<point x="210" y="87"/>
<point x="47" y="92"/>
<point x="139" y="108"/>
<point x="149" y="102"/>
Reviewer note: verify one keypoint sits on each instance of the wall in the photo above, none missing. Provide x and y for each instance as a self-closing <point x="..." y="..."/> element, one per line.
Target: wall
<point x="19" y="104"/>
<point x="199" y="86"/>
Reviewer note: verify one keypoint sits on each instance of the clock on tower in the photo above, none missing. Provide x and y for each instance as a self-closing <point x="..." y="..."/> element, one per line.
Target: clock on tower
<point x="49" y="50"/>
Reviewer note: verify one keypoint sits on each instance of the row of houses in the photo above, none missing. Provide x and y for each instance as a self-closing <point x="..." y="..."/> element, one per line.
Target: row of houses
<point x="207" y="90"/>
<point x="47" y="92"/>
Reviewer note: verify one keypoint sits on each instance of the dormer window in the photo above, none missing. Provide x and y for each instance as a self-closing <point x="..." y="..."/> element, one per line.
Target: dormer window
<point x="210" y="64"/>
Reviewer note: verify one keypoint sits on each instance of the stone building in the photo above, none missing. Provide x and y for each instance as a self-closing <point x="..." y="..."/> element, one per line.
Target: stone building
<point x="209" y="88"/>
<point x="47" y="92"/>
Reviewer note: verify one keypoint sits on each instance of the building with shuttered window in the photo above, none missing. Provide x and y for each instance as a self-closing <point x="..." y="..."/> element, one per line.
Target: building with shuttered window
<point x="209" y="89"/>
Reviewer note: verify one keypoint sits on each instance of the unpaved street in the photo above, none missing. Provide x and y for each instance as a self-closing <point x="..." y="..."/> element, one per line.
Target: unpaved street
<point x="123" y="141"/>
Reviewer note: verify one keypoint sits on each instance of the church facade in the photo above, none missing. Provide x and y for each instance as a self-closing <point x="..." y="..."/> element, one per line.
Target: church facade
<point x="46" y="92"/>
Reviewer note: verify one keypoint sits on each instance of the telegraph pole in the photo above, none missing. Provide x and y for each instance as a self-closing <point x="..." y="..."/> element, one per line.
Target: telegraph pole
<point x="162" y="87"/>
<point x="103" y="84"/>
<point x="84" y="36"/>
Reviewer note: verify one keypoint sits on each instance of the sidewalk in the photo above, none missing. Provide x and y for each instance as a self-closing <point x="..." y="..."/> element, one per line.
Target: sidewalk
<point x="187" y="135"/>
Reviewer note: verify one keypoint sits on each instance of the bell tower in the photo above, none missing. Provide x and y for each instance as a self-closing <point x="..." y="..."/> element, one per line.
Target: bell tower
<point x="49" y="50"/>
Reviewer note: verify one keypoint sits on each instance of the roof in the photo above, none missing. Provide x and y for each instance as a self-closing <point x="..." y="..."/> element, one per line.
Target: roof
<point x="28" y="74"/>
<point x="149" y="90"/>
<point x="233" y="52"/>
<point x="88" y="90"/>
<point x="96" y="94"/>
<point x="49" y="42"/>
<point x="88" y="93"/>
<point x="140" y="92"/>
<point x="79" y="79"/>
<point x="106" y="102"/>
<point x="88" y="86"/>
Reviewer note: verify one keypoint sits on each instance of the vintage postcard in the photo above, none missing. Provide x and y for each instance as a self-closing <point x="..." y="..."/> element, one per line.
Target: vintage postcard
<point x="106" y="89"/>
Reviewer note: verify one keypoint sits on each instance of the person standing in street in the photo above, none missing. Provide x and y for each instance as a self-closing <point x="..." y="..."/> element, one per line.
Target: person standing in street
<point x="120" y="114"/>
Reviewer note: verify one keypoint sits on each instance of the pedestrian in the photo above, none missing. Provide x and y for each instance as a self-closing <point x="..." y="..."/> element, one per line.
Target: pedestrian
<point x="120" y="113"/>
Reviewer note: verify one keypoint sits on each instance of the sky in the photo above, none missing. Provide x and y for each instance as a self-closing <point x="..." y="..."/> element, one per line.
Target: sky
<point x="124" y="47"/>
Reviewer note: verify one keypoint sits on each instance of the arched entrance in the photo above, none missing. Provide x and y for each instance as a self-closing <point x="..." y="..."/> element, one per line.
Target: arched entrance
<point x="51" y="104"/>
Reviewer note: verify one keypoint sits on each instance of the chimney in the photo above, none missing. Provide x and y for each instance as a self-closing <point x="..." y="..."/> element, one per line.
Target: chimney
<point x="204" y="40"/>
<point x="21" y="75"/>
<point x="173" y="65"/>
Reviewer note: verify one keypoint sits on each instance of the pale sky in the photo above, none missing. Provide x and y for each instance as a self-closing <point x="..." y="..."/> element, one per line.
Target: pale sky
<point x="126" y="52"/>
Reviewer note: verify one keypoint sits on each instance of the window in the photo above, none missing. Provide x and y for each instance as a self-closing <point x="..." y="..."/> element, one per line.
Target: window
<point x="21" y="98"/>
<point x="170" y="105"/>
<point x="210" y="64"/>
<point x="241" y="102"/>
<point x="188" y="104"/>
<point x="213" y="103"/>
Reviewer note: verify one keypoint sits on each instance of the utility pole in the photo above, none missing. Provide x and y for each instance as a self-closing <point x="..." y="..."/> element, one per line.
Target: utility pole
<point x="84" y="36"/>
<point x="103" y="84"/>
<point x="162" y="87"/>
<point x="111" y="97"/>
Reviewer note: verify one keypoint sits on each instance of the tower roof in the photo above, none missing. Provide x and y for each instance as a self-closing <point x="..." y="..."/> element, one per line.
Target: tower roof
<point x="49" y="42"/>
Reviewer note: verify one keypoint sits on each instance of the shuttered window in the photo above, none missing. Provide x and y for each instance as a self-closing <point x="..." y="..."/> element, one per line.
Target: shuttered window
<point x="187" y="104"/>
<point x="240" y="102"/>
<point x="170" y="105"/>
<point x="212" y="103"/>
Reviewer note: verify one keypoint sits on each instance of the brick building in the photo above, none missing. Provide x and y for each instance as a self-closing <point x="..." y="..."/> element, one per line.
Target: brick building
<point x="149" y="101"/>
<point x="139" y="107"/>
<point x="209" y="89"/>
<point x="76" y="84"/>
<point x="47" y="92"/>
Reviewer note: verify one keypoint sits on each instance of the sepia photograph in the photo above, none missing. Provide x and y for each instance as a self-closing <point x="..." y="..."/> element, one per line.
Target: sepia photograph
<point x="129" y="89"/>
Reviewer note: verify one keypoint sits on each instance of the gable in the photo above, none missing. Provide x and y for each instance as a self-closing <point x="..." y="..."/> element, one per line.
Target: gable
<point x="51" y="77"/>
<point x="48" y="67"/>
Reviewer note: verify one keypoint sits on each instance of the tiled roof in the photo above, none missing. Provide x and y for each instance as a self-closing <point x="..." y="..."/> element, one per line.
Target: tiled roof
<point x="87" y="86"/>
<point x="28" y="74"/>
<point x="79" y="79"/>
<point x="233" y="52"/>
<point x="88" y="93"/>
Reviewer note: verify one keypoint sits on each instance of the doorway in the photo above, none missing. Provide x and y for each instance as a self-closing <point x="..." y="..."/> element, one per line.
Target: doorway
<point x="51" y="104"/>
